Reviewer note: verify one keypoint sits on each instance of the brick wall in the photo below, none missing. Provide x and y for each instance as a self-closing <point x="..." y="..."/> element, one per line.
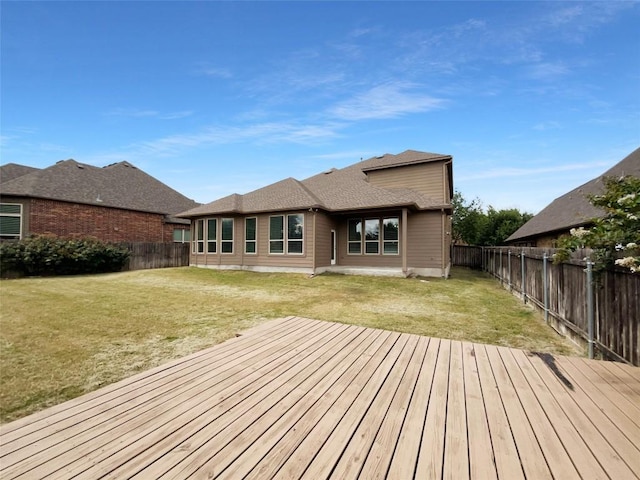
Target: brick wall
<point x="108" y="224"/>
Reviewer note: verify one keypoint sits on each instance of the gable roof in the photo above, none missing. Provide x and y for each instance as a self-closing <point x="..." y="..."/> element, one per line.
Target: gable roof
<point x="10" y="171"/>
<point x="573" y="209"/>
<point x="119" y="185"/>
<point x="334" y="190"/>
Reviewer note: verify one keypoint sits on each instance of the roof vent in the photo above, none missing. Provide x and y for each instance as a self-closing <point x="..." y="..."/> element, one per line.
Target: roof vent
<point x="381" y="156"/>
<point x="327" y="172"/>
<point x="80" y="166"/>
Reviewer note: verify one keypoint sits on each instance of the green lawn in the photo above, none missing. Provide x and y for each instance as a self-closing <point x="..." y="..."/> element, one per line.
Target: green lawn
<point x="65" y="336"/>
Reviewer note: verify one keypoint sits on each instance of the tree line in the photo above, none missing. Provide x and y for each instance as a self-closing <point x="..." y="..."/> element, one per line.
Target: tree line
<point x="472" y="225"/>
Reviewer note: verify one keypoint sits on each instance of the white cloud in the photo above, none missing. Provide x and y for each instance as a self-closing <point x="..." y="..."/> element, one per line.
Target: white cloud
<point x="547" y="71"/>
<point x="389" y="100"/>
<point x="208" y="70"/>
<point x="142" y="113"/>
<point x="525" y="172"/>
<point x="549" y="125"/>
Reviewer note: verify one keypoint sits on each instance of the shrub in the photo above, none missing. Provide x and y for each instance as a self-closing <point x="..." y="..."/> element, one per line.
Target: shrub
<point x="50" y="255"/>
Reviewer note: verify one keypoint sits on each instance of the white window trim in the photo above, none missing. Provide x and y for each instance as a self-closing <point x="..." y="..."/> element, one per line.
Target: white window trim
<point x="215" y="240"/>
<point x="390" y="241"/>
<point x="19" y="215"/>
<point x="301" y="240"/>
<point x="354" y="241"/>
<point x="232" y="241"/>
<point x="194" y="237"/>
<point x="255" y="241"/>
<point x="364" y="236"/>
<point x="284" y="236"/>
<point x="182" y="234"/>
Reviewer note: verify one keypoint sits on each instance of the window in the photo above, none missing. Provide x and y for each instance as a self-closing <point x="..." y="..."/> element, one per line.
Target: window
<point x="250" y="235"/>
<point x="276" y="234"/>
<point x="377" y="232"/>
<point x="295" y="234"/>
<point x="226" y="239"/>
<point x="355" y="236"/>
<point x="292" y="236"/>
<point x="198" y="237"/>
<point x="390" y="235"/>
<point x="212" y="234"/>
<point x="181" y="235"/>
<point x="10" y="220"/>
<point x="372" y="236"/>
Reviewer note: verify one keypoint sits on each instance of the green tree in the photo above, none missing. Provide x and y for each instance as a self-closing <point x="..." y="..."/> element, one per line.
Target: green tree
<point x="471" y="225"/>
<point x="467" y="221"/>
<point x="501" y="224"/>
<point x="614" y="238"/>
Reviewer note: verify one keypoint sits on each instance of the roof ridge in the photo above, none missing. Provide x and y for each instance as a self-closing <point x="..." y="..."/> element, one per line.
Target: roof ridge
<point x="309" y="192"/>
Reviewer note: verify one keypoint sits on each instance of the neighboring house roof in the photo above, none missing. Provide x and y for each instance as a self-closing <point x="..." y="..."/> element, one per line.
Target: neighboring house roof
<point x="573" y="209"/>
<point x="119" y="185"/>
<point x="10" y="171"/>
<point x="334" y="190"/>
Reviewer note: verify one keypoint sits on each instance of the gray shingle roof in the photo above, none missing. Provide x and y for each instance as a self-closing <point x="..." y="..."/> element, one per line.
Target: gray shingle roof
<point x="11" y="171"/>
<point x="334" y="190"/>
<point x="120" y="185"/>
<point x="573" y="209"/>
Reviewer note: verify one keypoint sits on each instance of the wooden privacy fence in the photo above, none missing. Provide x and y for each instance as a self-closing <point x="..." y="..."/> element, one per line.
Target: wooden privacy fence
<point x="465" y="256"/>
<point x="567" y="298"/>
<point x="156" y="255"/>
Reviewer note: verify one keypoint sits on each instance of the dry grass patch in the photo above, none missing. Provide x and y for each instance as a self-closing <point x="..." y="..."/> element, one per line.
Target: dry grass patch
<point x="65" y="336"/>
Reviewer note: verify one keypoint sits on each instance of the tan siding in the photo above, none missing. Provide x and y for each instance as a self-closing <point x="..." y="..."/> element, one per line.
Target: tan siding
<point x="425" y="240"/>
<point x="346" y="260"/>
<point x="263" y="258"/>
<point x="427" y="178"/>
<point x="324" y="225"/>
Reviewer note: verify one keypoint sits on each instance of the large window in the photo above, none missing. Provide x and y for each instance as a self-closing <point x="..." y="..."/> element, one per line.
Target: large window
<point x="250" y="235"/>
<point x="276" y="234"/>
<point x="355" y="236"/>
<point x="226" y="240"/>
<point x="292" y="236"/>
<point x="381" y="235"/>
<point x="212" y="235"/>
<point x="181" y="235"/>
<point x="372" y="236"/>
<point x="198" y="237"/>
<point x="10" y="220"/>
<point x="390" y="235"/>
<point x="216" y="233"/>
<point x="295" y="233"/>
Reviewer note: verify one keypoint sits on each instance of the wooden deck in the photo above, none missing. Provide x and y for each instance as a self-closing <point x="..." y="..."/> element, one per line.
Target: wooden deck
<point x="299" y="398"/>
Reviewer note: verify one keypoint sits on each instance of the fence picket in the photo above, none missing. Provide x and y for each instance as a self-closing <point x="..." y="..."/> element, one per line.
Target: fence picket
<point x="560" y="291"/>
<point x="156" y="255"/>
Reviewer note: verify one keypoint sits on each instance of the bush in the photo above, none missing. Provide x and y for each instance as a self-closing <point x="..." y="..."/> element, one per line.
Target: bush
<point x="49" y="255"/>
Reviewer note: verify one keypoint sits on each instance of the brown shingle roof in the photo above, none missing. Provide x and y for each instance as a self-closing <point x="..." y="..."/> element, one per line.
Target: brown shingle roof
<point x="573" y="209"/>
<point x="334" y="190"/>
<point x="120" y="185"/>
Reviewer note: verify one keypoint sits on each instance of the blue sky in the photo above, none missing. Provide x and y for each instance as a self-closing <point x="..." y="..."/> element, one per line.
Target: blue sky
<point x="530" y="98"/>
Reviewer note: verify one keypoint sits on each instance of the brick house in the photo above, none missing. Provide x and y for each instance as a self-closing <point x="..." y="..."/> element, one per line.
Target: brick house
<point x="388" y="215"/>
<point x="116" y="203"/>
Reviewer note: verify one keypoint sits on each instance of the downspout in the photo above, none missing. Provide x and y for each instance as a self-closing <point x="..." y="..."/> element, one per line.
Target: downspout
<point x="443" y="217"/>
<point x="313" y="246"/>
<point x="404" y="242"/>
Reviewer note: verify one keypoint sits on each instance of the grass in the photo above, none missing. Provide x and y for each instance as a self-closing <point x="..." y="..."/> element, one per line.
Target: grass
<point x="65" y="336"/>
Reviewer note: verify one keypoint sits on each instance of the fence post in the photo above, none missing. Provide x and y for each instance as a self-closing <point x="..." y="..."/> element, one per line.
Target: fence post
<point x="523" y="283"/>
<point x="590" y="306"/>
<point x="501" y="272"/>
<point x="545" y="288"/>
<point x="509" y="261"/>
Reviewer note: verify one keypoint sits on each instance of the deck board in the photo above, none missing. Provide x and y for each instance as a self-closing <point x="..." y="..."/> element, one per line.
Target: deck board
<point x="300" y="398"/>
